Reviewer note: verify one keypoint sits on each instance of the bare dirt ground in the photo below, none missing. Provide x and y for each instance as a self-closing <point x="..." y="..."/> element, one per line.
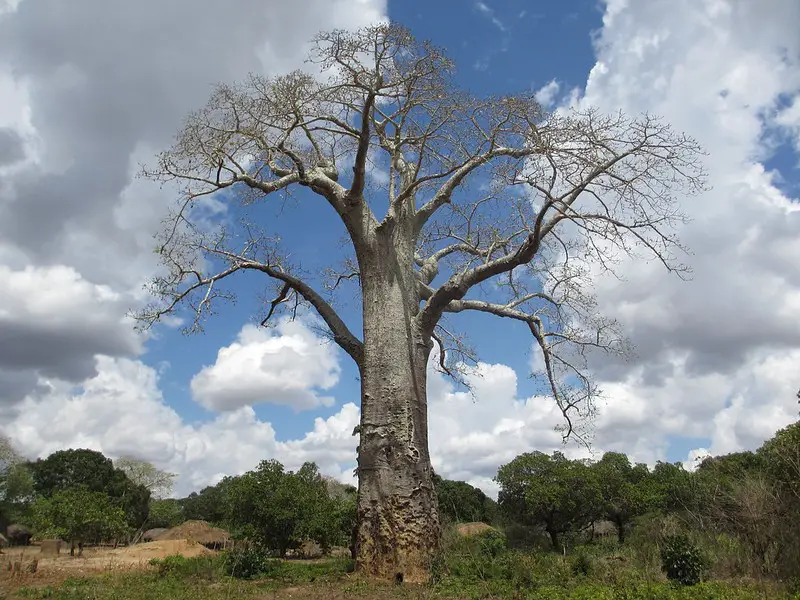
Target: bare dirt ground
<point x="26" y="565"/>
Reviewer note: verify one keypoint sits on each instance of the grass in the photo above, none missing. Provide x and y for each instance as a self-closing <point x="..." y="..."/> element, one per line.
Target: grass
<point x="468" y="569"/>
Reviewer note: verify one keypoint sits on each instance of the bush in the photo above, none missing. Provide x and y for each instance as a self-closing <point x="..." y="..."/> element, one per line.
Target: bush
<point x="491" y="543"/>
<point x="198" y="566"/>
<point x="682" y="561"/>
<point x="581" y="564"/>
<point x="245" y="563"/>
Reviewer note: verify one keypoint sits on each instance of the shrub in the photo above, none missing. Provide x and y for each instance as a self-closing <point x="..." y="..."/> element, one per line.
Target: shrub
<point x="491" y="543"/>
<point x="581" y="564"/>
<point x="203" y="566"/>
<point x="245" y="563"/>
<point x="682" y="561"/>
<point x="475" y="558"/>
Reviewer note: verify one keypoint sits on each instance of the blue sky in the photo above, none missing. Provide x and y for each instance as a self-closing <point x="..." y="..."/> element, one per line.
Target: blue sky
<point x="82" y="109"/>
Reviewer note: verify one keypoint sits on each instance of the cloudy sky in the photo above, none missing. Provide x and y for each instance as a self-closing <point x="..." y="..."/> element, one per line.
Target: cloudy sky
<point x="90" y="90"/>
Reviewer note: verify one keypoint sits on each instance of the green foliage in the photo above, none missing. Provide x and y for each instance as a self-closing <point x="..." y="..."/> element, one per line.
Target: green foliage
<point x="345" y="519"/>
<point x="581" y="564"/>
<point x="71" y="468"/>
<point x="16" y="493"/>
<point x="670" y="487"/>
<point x="207" y="567"/>
<point x="246" y="562"/>
<point x="553" y="492"/>
<point x="165" y="513"/>
<point x="682" y="561"/>
<point x="491" y="543"/>
<point x="539" y="576"/>
<point x="251" y="562"/>
<point x="89" y="469"/>
<point x="625" y="492"/>
<point x="78" y="515"/>
<point x="482" y="557"/>
<point x="16" y="485"/>
<point x="781" y="458"/>
<point x="208" y="504"/>
<point x="524" y="537"/>
<point x="277" y="509"/>
<point x="132" y="498"/>
<point x="460" y="502"/>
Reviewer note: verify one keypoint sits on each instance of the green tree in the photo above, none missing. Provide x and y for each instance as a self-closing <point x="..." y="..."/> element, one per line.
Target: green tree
<point x="553" y="492"/>
<point x="781" y="455"/>
<point x="16" y="485"/>
<point x="623" y="490"/>
<point x="78" y="515"/>
<point x="143" y="473"/>
<point x="462" y="503"/>
<point x="165" y="512"/>
<point x="781" y="458"/>
<point x="208" y="504"/>
<point x="345" y="498"/>
<point x="134" y="499"/>
<point x="671" y="488"/>
<point x="68" y="469"/>
<point x="278" y="509"/>
<point x="422" y="245"/>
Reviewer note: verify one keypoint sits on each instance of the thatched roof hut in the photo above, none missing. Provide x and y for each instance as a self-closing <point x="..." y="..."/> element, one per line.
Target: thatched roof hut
<point x="153" y="534"/>
<point x="200" y="532"/>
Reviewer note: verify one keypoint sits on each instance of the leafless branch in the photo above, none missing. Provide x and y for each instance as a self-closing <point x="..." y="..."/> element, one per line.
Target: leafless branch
<point x="490" y="204"/>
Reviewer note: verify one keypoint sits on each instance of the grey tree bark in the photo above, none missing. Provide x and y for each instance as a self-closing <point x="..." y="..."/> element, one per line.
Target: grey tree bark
<point x="398" y="521"/>
<point x="556" y="197"/>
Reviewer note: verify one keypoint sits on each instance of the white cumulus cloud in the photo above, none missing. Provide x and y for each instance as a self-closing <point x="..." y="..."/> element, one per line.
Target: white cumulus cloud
<point x="286" y="367"/>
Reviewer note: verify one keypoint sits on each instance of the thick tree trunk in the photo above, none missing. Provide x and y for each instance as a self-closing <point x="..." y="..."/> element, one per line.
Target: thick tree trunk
<point x="398" y="527"/>
<point x="554" y="539"/>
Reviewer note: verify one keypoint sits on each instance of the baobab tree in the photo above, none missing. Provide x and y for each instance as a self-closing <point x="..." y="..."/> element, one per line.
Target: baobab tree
<point x="451" y="203"/>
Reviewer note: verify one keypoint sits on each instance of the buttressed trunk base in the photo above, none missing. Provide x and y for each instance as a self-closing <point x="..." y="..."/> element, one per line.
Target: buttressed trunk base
<point x="398" y="531"/>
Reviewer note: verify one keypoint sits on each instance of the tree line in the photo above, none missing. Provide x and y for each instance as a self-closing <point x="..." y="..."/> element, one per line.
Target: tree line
<point x="747" y="500"/>
<point x="750" y="499"/>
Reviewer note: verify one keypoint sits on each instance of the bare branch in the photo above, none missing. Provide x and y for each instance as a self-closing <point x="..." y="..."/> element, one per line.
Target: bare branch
<point x="488" y="204"/>
<point x="178" y="292"/>
<point x="445" y="193"/>
<point x="360" y="167"/>
<point x="566" y="398"/>
<point x="281" y="297"/>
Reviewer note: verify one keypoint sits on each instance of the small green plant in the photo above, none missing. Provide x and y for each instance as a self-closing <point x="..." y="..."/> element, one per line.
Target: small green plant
<point x="198" y="566"/>
<point x="682" y="561"/>
<point x="581" y="564"/>
<point x="492" y="543"/>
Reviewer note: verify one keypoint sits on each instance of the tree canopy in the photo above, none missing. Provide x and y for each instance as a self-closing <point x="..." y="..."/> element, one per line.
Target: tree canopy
<point x="279" y="509"/>
<point x="16" y="484"/>
<point x="77" y="515"/>
<point x="559" y="494"/>
<point x="82" y="468"/>
<point x="462" y="503"/>
<point x="624" y="490"/>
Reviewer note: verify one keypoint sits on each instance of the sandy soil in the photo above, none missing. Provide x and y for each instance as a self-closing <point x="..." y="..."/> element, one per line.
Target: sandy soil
<point x="104" y="558"/>
<point x="16" y="563"/>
